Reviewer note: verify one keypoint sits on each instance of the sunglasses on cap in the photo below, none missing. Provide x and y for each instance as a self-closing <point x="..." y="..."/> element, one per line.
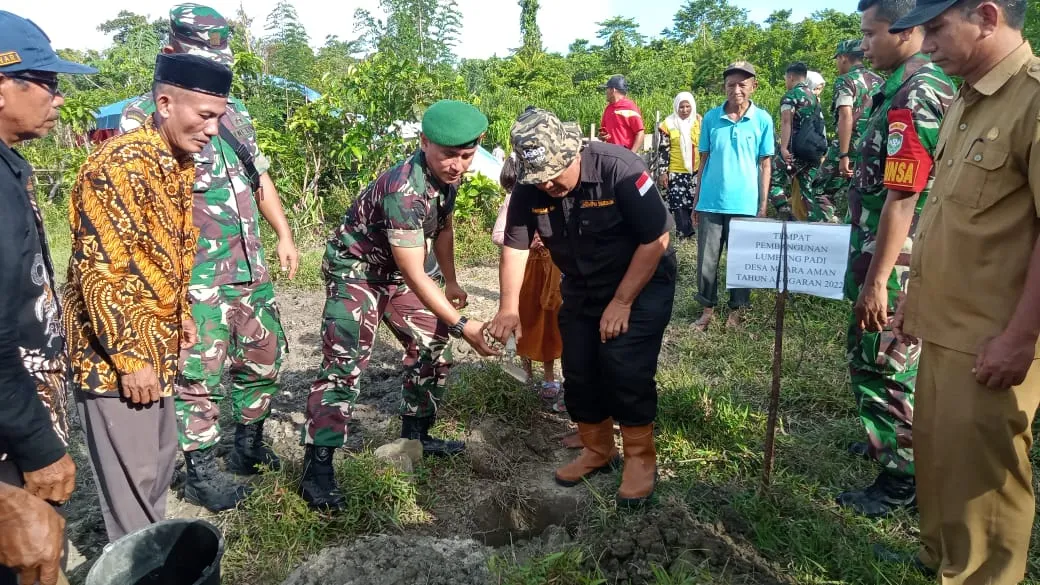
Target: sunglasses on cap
<point x="48" y="83"/>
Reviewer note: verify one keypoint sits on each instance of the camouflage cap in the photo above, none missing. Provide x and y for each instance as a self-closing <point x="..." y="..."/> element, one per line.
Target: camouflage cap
<point x="850" y="47"/>
<point x="200" y="30"/>
<point x="544" y="146"/>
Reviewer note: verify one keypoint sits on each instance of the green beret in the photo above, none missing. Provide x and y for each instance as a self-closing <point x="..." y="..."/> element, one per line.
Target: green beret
<point x="453" y="123"/>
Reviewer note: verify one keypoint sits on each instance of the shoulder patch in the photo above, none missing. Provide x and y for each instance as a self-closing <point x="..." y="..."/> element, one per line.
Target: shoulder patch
<point x="10" y="58"/>
<point x="1033" y="70"/>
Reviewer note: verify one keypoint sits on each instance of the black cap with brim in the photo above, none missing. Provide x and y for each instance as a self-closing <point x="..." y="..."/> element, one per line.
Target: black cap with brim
<point x="615" y="82"/>
<point x="925" y="11"/>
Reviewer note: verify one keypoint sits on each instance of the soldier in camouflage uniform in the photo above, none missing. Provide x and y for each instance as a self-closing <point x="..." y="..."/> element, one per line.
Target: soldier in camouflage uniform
<point x="375" y="271"/>
<point x="232" y="295"/>
<point x="798" y="106"/>
<point x="852" y="91"/>
<point x="889" y="187"/>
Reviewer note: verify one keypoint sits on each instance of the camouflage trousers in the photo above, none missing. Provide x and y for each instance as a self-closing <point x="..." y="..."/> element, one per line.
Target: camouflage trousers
<point x="349" y="328"/>
<point x="829" y="184"/>
<point x="239" y="327"/>
<point x="884" y="372"/>
<point x="791" y="192"/>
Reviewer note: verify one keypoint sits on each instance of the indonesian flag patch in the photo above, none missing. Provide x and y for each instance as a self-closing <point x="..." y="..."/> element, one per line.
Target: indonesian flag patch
<point x="643" y="183"/>
<point x="908" y="163"/>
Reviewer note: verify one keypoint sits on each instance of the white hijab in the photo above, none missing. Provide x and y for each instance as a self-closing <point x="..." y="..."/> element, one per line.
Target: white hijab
<point x="814" y="79"/>
<point x="685" y="127"/>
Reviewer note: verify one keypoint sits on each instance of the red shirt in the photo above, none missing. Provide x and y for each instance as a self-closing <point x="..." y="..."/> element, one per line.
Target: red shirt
<point x="622" y="120"/>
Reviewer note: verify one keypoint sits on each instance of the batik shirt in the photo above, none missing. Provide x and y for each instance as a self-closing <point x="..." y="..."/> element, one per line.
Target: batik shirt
<point x="132" y="253"/>
<point x="229" y="248"/>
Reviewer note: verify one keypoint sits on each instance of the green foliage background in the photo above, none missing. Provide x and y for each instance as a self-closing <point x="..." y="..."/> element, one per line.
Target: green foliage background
<point x="401" y="61"/>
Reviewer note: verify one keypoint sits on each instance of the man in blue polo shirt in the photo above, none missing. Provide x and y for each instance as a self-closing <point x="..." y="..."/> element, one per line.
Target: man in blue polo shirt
<point x="736" y="145"/>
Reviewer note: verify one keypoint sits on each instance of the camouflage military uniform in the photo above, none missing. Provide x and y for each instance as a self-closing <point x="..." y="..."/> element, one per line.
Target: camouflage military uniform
<point x="803" y="102"/>
<point x="882" y="369"/>
<point x="854" y="89"/>
<point x="404" y="207"/>
<point x="233" y="298"/>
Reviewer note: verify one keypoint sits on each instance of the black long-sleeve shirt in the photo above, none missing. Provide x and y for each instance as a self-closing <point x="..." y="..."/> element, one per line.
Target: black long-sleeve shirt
<point x="30" y="327"/>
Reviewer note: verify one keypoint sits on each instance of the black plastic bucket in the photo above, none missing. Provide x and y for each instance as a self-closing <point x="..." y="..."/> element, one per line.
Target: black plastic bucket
<point x="171" y="552"/>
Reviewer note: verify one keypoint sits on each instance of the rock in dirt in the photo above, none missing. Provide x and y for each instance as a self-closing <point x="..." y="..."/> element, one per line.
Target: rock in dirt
<point x="389" y="560"/>
<point x="410" y="448"/>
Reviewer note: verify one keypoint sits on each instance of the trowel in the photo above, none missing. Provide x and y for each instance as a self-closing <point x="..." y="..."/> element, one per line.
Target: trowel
<point x="509" y="361"/>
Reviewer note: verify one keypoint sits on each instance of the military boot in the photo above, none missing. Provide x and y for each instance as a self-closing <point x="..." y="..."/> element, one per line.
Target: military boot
<point x="418" y="428"/>
<point x="207" y="486"/>
<point x="859" y="449"/>
<point x="250" y="451"/>
<point x="639" y="477"/>
<point x="318" y="486"/>
<point x="598" y="455"/>
<point x="881" y="498"/>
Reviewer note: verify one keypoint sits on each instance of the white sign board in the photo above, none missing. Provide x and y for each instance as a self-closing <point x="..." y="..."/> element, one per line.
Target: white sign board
<point x="817" y="256"/>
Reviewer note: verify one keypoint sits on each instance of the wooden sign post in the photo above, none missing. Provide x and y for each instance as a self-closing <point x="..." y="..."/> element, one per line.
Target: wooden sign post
<point x="807" y="258"/>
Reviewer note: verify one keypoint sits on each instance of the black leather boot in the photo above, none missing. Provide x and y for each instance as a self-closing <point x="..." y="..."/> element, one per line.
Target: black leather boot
<point x="207" y="486"/>
<point x="418" y="428"/>
<point x="250" y="451"/>
<point x="318" y="486"/>
<point x="881" y="498"/>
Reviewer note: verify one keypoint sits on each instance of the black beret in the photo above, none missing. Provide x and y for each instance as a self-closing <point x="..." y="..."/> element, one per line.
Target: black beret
<point x="193" y="73"/>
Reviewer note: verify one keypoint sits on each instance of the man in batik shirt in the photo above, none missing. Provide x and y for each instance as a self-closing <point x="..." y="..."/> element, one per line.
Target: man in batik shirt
<point x="127" y="312"/>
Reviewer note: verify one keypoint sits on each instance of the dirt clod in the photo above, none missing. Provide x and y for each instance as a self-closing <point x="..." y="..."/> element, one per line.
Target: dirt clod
<point x="671" y="539"/>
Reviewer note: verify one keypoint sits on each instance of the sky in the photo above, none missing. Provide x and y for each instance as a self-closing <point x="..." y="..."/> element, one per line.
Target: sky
<point x="489" y="27"/>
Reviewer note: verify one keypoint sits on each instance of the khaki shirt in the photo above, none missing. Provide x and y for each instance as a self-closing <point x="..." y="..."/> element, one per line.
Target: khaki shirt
<point x="980" y="223"/>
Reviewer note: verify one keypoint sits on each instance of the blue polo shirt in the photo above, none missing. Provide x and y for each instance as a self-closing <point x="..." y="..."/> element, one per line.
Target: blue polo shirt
<point x="729" y="183"/>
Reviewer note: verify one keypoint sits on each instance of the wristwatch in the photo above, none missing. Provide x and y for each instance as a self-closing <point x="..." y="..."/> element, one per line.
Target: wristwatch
<point x="843" y="155"/>
<point x="456" y="329"/>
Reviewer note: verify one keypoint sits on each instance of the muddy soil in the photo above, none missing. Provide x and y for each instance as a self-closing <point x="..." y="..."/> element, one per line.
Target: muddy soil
<point x="499" y="499"/>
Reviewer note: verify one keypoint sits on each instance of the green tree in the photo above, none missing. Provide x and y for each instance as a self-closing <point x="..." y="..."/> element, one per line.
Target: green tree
<point x="287" y="52"/>
<point x="626" y="28"/>
<point x="579" y="46"/>
<point x="335" y="56"/>
<point x="424" y="31"/>
<point x="532" y="35"/>
<point x="1032" y="28"/>
<point x="126" y="23"/>
<point x="705" y="17"/>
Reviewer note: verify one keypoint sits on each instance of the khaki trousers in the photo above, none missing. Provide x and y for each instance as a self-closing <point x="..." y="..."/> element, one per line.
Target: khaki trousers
<point x="974" y="479"/>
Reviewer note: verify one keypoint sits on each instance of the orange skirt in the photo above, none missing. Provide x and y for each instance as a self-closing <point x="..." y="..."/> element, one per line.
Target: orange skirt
<point x="540" y="302"/>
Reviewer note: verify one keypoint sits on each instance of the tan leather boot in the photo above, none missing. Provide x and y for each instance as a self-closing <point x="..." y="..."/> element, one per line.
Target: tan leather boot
<point x="640" y="474"/>
<point x="599" y="454"/>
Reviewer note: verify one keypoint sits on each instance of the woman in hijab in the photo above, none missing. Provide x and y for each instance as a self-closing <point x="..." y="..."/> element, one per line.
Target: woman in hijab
<point x="680" y="133"/>
<point x="815" y="82"/>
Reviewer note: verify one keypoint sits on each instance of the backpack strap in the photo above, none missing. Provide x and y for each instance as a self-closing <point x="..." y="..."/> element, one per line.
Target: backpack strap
<point x="244" y="155"/>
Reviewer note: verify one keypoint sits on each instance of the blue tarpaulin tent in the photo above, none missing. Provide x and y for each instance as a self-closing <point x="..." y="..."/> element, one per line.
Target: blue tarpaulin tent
<point x="107" y="117"/>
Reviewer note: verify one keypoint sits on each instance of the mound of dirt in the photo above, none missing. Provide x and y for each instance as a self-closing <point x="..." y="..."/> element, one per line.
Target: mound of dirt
<point x="673" y="540"/>
<point x="390" y="560"/>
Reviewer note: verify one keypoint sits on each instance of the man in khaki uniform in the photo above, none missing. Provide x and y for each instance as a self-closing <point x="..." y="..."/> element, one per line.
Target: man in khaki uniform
<point x="974" y="297"/>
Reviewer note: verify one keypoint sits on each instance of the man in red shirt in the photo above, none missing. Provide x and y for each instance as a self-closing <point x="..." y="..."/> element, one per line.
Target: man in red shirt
<point x="622" y="122"/>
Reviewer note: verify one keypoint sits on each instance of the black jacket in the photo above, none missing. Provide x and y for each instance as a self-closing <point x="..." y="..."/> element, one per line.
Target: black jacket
<point x="27" y="436"/>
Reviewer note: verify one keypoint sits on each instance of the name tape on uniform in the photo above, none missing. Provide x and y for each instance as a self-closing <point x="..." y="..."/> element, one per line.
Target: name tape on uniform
<point x="817" y="256"/>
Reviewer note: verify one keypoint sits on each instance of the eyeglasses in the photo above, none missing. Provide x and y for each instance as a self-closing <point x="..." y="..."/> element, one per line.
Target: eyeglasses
<point x="48" y="83"/>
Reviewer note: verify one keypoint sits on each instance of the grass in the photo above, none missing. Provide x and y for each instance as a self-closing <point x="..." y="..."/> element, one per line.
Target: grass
<point x="558" y="568"/>
<point x="274" y="530"/>
<point x="713" y="391"/>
